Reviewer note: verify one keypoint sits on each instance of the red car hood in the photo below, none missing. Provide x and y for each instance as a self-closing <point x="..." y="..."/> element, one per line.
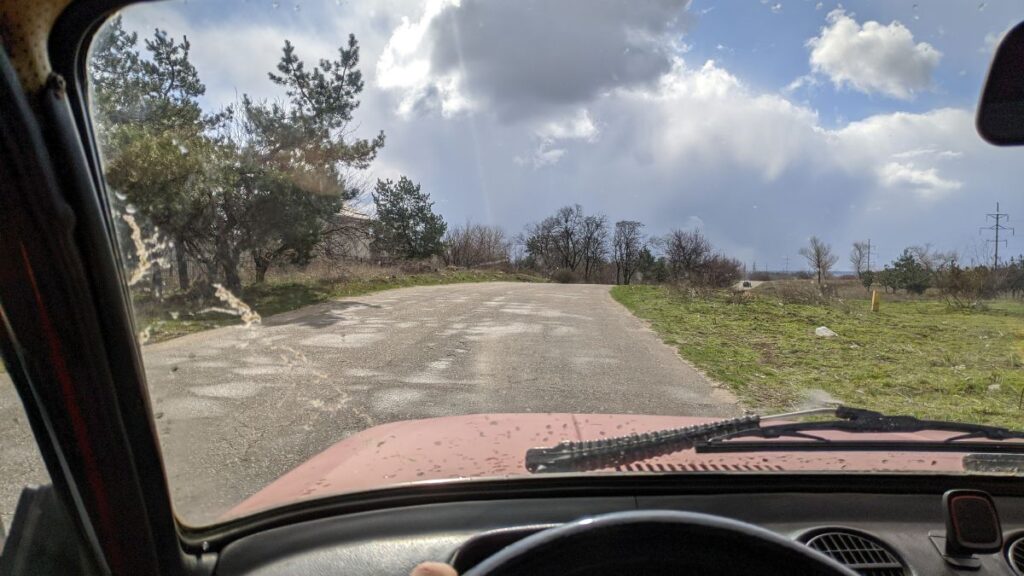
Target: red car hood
<point x="494" y="445"/>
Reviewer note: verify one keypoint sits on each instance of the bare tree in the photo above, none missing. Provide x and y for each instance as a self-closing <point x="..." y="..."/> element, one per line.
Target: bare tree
<point x="568" y="235"/>
<point x="475" y="245"/>
<point x="568" y="240"/>
<point x="930" y="258"/>
<point x="686" y="252"/>
<point x="594" y="243"/>
<point x="627" y="244"/>
<point x="819" y="256"/>
<point x="859" y="257"/>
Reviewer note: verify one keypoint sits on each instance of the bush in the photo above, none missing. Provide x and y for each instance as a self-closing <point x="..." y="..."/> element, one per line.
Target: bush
<point x="475" y="245"/>
<point x="911" y="274"/>
<point x="966" y="287"/>
<point x="797" y="292"/>
<point x="867" y="278"/>
<point x="564" y="276"/>
<point x="717" y="272"/>
<point x="761" y="276"/>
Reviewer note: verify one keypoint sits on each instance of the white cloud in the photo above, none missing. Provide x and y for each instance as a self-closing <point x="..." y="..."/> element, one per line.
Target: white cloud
<point x="578" y="127"/>
<point x="405" y="65"/>
<point x="708" y="117"/>
<point x="924" y="181"/>
<point x="706" y="120"/>
<point x="553" y="133"/>
<point x="807" y="80"/>
<point x="873" y="58"/>
<point x="927" y="153"/>
<point x="543" y="156"/>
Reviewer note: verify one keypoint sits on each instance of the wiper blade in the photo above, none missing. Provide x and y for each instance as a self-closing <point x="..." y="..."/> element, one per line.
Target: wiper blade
<point x="858" y="421"/>
<point x="621" y="450"/>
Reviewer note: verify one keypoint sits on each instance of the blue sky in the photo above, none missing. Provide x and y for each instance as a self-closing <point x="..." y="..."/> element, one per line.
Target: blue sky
<point x="762" y="123"/>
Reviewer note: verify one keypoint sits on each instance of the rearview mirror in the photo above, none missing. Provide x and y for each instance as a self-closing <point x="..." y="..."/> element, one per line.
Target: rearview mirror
<point x="1001" y="111"/>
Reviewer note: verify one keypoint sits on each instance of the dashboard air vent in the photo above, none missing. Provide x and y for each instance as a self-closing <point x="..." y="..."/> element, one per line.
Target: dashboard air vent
<point x="1015" y="555"/>
<point x="861" y="553"/>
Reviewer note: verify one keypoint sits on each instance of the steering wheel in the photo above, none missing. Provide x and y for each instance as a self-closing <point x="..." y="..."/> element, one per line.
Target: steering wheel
<point x="654" y="543"/>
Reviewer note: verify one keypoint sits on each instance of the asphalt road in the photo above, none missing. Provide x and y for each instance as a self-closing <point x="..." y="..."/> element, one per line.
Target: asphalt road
<point x="238" y="407"/>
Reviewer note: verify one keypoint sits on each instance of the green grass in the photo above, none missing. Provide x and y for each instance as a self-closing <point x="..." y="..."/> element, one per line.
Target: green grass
<point x="913" y="357"/>
<point x="174" y="316"/>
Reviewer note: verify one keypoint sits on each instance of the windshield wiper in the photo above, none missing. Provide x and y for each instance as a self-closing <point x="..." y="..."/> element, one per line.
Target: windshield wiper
<point x="616" y="451"/>
<point x="860" y="421"/>
<point x="721" y="436"/>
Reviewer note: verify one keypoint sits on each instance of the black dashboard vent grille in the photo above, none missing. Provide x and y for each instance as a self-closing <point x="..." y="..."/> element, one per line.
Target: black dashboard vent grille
<point x="1016" y="555"/>
<point x="864" y="555"/>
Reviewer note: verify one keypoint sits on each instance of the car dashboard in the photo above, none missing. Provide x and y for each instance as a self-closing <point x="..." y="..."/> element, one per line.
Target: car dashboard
<point x="874" y="533"/>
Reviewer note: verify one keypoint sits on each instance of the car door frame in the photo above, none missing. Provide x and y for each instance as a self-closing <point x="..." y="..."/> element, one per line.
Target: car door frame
<point x="67" y="332"/>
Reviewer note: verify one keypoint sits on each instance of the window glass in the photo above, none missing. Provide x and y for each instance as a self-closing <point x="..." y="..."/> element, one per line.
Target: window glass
<point x="388" y="242"/>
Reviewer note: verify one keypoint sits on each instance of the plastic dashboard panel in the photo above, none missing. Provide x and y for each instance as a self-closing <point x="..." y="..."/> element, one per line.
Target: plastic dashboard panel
<point x="391" y="542"/>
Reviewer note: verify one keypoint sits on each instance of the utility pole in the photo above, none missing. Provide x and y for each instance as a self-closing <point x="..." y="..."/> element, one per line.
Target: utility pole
<point x="870" y="253"/>
<point x="998" y="217"/>
<point x="787" y="264"/>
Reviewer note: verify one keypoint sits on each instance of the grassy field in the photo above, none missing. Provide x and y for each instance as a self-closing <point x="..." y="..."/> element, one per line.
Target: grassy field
<point x="175" y="316"/>
<point x="915" y="357"/>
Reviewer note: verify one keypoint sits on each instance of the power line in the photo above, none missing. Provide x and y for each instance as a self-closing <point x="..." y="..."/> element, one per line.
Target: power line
<point x="999" y="217"/>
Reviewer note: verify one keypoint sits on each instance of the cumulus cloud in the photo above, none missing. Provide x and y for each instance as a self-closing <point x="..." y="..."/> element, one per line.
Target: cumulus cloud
<point x="404" y="65"/>
<point x="519" y="58"/>
<point x="707" y="116"/>
<point x="924" y="181"/>
<point x="873" y="58"/>
<point x="706" y="120"/>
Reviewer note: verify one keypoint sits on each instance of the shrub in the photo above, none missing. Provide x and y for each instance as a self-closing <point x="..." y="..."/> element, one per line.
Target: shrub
<point x="867" y="278"/>
<point x="717" y="272"/>
<point x="911" y="274"/>
<point x="564" y="276"/>
<point x="966" y="287"/>
<point x="799" y="292"/>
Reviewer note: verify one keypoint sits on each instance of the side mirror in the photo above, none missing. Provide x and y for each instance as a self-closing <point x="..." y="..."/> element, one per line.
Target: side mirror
<point x="1001" y="110"/>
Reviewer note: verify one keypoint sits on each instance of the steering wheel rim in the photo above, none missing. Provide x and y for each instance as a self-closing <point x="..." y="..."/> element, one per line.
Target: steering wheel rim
<point x="657" y="542"/>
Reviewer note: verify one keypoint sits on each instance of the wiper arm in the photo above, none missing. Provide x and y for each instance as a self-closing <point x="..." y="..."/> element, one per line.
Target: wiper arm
<point x="857" y="420"/>
<point x="621" y="450"/>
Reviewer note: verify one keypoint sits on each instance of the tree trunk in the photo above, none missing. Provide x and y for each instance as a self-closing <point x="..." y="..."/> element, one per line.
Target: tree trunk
<point x="232" y="281"/>
<point x="181" y="264"/>
<point x="261" y="264"/>
<point x="228" y="260"/>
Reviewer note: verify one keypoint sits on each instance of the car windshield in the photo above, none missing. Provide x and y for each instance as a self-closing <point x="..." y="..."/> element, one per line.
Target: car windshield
<point x="378" y="243"/>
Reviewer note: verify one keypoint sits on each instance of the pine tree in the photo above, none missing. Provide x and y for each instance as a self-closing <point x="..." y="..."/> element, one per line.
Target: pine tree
<point x="406" y="225"/>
